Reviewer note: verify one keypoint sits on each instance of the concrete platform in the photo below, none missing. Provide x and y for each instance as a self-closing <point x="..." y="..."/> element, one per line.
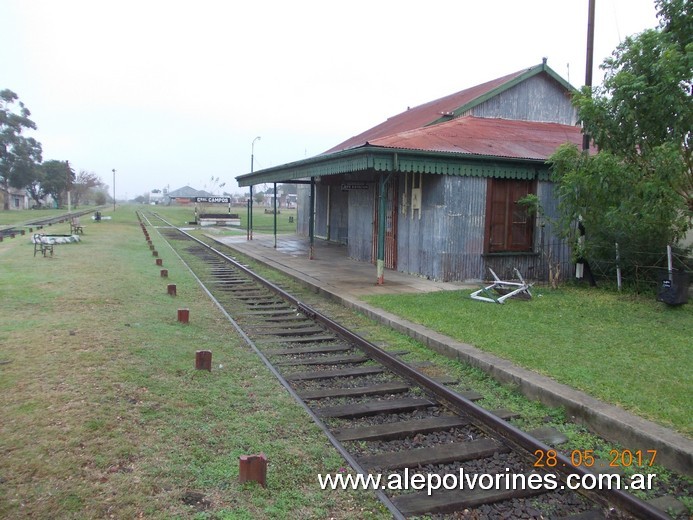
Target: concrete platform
<point x="345" y="280"/>
<point x="330" y="270"/>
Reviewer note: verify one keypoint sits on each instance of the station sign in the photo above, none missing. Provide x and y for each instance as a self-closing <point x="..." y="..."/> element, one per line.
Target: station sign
<point x="346" y="186"/>
<point x="213" y="200"/>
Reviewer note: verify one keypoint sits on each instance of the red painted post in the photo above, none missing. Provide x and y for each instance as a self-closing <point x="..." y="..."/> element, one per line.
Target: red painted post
<point x="159" y="261"/>
<point x="164" y="273"/>
<point x="183" y="315"/>
<point x="203" y="360"/>
<point x="253" y="468"/>
<point x="172" y="289"/>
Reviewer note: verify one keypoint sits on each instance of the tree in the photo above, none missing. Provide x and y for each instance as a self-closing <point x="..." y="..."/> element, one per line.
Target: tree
<point x="19" y="155"/>
<point x="84" y="183"/>
<point x="58" y="178"/>
<point x="638" y="189"/>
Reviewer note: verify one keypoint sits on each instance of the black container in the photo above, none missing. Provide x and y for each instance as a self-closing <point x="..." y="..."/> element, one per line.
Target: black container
<point x="673" y="287"/>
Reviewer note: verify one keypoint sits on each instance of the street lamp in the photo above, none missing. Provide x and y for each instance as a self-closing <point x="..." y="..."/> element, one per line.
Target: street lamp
<point x="250" y="200"/>
<point x="113" y="189"/>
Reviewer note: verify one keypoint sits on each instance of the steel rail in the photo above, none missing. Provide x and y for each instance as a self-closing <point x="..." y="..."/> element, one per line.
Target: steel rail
<point x="514" y="436"/>
<point x="17" y="229"/>
<point x="348" y="457"/>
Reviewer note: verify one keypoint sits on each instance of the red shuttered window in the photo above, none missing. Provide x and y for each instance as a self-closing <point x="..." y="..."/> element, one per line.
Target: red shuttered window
<point x="509" y="226"/>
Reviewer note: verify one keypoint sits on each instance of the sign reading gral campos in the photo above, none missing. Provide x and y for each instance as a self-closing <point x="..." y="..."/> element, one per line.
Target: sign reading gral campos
<point x="346" y="186"/>
<point x="225" y="200"/>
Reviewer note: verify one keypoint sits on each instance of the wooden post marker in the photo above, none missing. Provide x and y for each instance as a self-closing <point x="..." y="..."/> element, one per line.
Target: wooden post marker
<point x="253" y="468"/>
<point x="164" y="273"/>
<point x="203" y="360"/>
<point x="172" y="289"/>
<point x="159" y="261"/>
<point x="155" y="252"/>
<point x="183" y="315"/>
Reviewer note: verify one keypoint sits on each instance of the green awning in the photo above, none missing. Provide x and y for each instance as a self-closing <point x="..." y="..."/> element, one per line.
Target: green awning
<point x="376" y="159"/>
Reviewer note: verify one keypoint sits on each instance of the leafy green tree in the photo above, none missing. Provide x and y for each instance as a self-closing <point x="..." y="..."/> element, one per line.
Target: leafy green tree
<point x="638" y="189"/>
<point x="19" y="155"/>
<point x="58" y="177"/>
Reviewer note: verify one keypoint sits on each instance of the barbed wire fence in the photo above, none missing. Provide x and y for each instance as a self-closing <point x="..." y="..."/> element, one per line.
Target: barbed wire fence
<point x="637" y="270"/>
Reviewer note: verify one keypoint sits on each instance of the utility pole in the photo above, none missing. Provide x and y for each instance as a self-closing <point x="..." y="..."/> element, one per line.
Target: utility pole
<point x="582" y="266"/>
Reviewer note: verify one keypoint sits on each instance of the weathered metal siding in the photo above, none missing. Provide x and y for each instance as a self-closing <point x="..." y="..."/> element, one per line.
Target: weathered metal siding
<point x="360" y="223"/>
<point x="446" y="242"/>
<point x="537" y="99"/>
<point x="339" y="215"/>
<point x="321" y="204"/>
<point x="552" y="248"/>
<point x="302" y="209"/>
<point x="466" y="210"/>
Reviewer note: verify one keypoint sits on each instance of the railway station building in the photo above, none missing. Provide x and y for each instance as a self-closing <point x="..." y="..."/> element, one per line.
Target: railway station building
<point x="434" y="190"/>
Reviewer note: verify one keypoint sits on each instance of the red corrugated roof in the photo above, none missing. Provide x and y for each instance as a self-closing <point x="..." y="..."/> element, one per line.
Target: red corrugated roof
<point x="485" y="136"/>
<point x="425" y="114"/>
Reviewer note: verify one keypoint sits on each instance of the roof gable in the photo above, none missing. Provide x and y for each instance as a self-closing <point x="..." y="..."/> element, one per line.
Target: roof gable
<point x="445" y="108"/>
<point x="187" y="192"/>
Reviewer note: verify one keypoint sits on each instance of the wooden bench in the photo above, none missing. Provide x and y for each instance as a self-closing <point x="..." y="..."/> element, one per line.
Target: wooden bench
<point x="41" y="245"/>
<point x="75" y="226"/>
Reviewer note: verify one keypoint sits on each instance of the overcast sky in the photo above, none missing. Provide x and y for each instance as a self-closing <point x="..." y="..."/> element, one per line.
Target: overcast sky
<point x="173" y="93"/>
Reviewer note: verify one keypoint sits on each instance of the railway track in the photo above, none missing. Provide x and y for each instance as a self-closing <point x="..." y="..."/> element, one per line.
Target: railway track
<point x="18" y="230"/>
<point x="388" y="417"/>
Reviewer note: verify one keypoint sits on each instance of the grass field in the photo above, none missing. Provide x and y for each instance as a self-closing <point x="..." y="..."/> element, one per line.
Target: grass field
<point x="103" y="414"/>
<point x="628" y="350"/>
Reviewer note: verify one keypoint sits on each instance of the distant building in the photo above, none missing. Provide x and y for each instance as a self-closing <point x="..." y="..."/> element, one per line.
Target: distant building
<point x="184" y="195"/>
<point x="16" y="198"/>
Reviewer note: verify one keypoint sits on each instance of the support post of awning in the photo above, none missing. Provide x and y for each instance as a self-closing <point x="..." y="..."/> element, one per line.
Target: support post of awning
<point x="249" y="233"/>
<point x="382" y="207"/>
<point x="311" y="219"/>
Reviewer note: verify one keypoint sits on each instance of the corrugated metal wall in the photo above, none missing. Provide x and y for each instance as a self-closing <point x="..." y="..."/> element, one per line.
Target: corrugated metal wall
<point x="302" y="209"/>
<point x="361" y="223"/>
<point x="536" y="99"/>
<point x="445" y="239"/>
<point x="445" y="243"/>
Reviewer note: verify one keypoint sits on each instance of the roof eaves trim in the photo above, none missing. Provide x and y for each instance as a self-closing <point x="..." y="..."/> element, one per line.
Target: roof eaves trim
<point x="381" y="159"/>
<point x="347" y="161"/>
<point x="462" y="165"/>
